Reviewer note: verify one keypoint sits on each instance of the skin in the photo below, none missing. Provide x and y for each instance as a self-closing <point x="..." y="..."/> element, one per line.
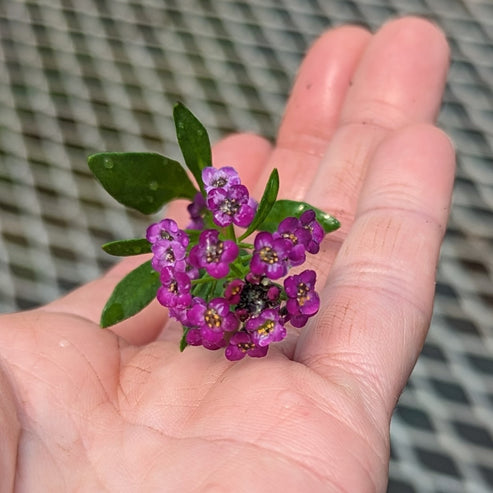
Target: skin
<point x="83" y="409"/>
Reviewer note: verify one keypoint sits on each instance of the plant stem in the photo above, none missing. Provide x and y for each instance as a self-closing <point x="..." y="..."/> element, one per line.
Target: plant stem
<point x="245" y="245"/>
<point x="229" y="233"/>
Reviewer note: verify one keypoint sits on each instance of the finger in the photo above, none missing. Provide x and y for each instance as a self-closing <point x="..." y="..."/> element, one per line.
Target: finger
<point x="399" y="82"/>
<point x="379" y="295"/>
<point x="250" y="153"/>
<point x="246" y="152"/>
<point x="313" y="109"/>
<point x="11" y="430"/>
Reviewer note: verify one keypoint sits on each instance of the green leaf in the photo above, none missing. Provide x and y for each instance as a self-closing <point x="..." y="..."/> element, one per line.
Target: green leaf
<point x="266" y="203"/>
<point x="134" y="292"/>
<point x="183" y="341"/>
<point x="144" y="181"/>
<point x="193" y="140"/>
<point x="125" y="248"/>
<point x="290" y="208"/>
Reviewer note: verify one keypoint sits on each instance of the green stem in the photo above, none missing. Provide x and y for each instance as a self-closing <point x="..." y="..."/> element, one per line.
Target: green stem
<point x="229" y="233"/>
<point x="249" y="246"/>
<point x="202" y="280"/>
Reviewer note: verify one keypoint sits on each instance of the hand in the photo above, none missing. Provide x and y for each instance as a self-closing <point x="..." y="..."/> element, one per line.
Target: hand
<point x="123" y="410"/>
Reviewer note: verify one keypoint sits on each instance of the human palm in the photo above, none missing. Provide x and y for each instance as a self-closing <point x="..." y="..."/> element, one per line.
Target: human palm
<point x="123" y="410"/>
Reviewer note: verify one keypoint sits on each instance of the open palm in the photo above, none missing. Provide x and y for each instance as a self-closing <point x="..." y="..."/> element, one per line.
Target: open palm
<point x="89" y="410"/>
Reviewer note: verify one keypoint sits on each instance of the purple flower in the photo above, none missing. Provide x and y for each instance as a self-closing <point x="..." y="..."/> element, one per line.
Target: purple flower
<point x="233" y="291"/>
<point x="270" y="256"/>
<point x="296" y="255"/>
<point x="196" y="210"/>
<point x="169" y="245"/>
<point x="194" y="337"/>
<point x="180" y="314"/>
<point x="175" y="289"/>
<point x="219" y="178"/>
<point x="309" y="223"/>
<point x="168" y="254"/>
<point x="166" y="230"/>
<point x="204" y="337"/>
<point x="201" y="333"/>
<point x="242" y="344"/>
<point x="190" y="270"/>
<point x="291" y="229"/>
<point x="212" y="254"/>
<point x="214" y="316"/>
<point x="303" y="301"/>
<point x="232" y="205"/>
<point x="266" y="328"/>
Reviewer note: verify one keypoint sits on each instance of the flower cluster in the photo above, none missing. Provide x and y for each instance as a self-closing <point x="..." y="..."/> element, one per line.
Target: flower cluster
<point x="227" y="293"/>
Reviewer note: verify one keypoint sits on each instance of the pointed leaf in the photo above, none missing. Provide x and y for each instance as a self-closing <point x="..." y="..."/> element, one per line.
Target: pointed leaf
<point x="266" y="203"/>
<point x="290" y="208"/>
<point x="193" y="140"/>
<point x="143" y="181"/>
<point x="124" y="248"/>
<point x="134" y="292"/>
<point x="183" y="341"/>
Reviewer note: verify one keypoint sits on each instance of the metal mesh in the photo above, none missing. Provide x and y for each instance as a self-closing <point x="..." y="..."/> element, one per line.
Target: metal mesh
<point x="82" y="76"/>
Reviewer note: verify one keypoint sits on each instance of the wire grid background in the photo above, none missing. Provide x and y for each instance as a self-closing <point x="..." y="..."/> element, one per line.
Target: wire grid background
<point x="82" y="76"/>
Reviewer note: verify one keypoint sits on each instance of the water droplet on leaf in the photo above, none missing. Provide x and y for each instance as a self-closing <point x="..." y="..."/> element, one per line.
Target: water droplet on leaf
<point x="108" y="163"/>
<point x="154" y="185"/>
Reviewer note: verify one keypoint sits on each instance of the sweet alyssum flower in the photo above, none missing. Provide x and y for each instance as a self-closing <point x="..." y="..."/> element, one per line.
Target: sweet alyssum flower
<point x="224" y="178"/>
<point x="230" y="289"/>
<point x="231" y="205"/>
<point x="213" y="254"/>
<point x="248" y="311"/>
<point x="266" y="327"/>
<point x="303" y="301"/>
<point x="175" y="289"/>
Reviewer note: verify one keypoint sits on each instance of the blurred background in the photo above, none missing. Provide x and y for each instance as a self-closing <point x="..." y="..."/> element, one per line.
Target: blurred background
<point x="82" y="76"/>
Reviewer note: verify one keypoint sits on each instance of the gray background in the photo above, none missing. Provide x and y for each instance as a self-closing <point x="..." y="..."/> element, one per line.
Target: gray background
<point x="81" y="76"/>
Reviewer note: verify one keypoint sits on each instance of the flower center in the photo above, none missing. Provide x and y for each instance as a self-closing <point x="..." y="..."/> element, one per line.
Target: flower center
<point x="169" y="255"/>
<point x="266" y="328"/>
<point x="220" y="182"/>
<point x="290" y="236"/>
<point x="173" y="287"/>
<point x="245" y="346"/>
<point x="165" y="235"/>
<point x="230" y="207"/>
<point x="235" y="290"/>
<point x="268" y="255"/>
<point x="212" y="318"/>
<point x="302" y="293"/>
<point x="254" y="298"/>
<point x="214" y="251"/>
